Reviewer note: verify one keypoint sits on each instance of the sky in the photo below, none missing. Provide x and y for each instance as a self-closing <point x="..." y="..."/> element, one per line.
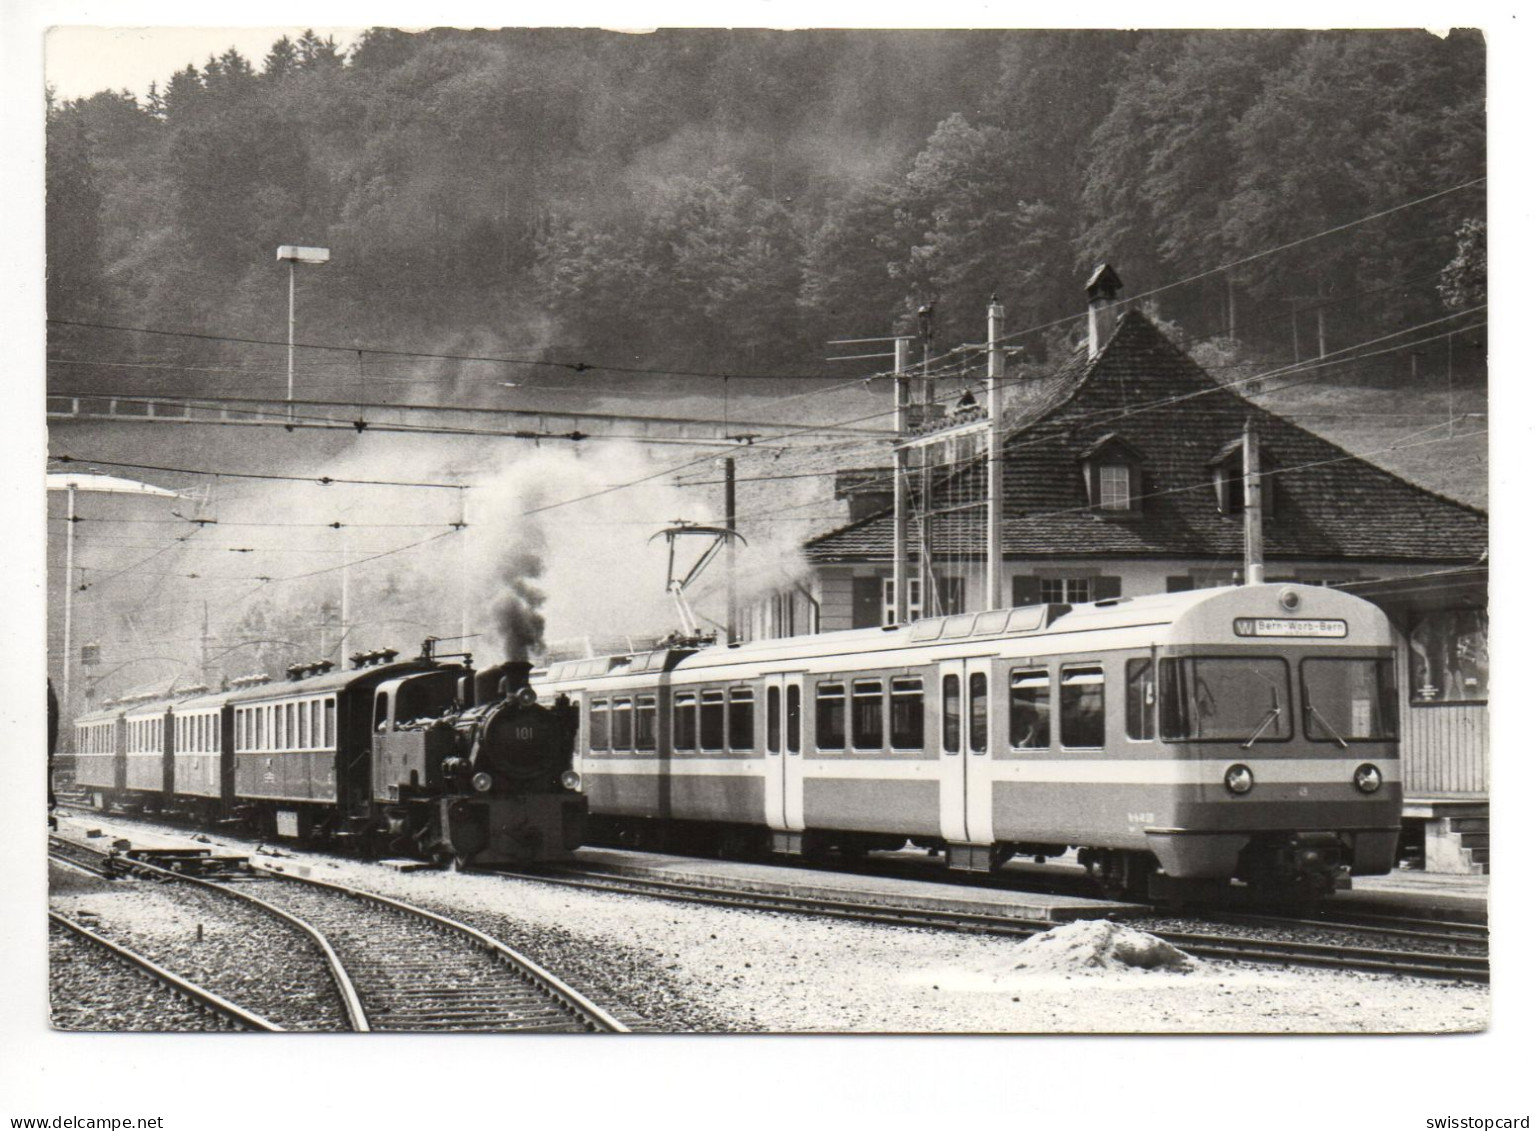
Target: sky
<point x="79" y="61"/>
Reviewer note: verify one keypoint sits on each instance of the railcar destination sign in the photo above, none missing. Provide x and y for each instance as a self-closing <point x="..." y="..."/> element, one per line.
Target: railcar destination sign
<point x="1289" y="626"/>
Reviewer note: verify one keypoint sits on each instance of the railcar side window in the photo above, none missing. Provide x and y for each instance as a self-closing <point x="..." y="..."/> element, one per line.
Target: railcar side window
<point x="599" y="724"/>
<point x="620" y="724"/>
<point x="866" y="714"/>
<point x="1352" y="700"/>
<point x="773" y="719"/>
<point x="978" y="712"/>
<point x="1082" y="706"/>
<point x="794" y="719"/>
<point x="1139" y="699"/>
<point x="740" y="718"/>
<point x="712" y="720"/>
<point x="304" y="724"/>
<point x="951" y="714"/>
<point x="906" y="712"/>
<point x="1225" y="699"/>
<point x="1031" y="709"/>
<point x="684" y="721"/>
<point x="646" y="722"/>
<point x="829" y="717"/>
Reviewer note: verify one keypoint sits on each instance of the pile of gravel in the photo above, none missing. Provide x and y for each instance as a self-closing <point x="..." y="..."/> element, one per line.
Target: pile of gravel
<point x="1096" y="946"/>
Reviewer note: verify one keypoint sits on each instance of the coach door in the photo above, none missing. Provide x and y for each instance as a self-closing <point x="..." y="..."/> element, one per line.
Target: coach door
<point x="963" y="727"/>
<point x="783" y="752"/>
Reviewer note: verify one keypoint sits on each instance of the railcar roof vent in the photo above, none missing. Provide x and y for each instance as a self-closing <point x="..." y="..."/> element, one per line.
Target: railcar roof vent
<point x="1055" y="611"/>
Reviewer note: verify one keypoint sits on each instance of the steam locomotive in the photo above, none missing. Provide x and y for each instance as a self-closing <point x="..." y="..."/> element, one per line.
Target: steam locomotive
<point x="418" y="756"/>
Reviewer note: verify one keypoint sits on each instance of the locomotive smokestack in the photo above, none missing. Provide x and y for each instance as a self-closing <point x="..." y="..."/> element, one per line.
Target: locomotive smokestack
<point x="502" y="681"/>
<point x="515" y="676"/>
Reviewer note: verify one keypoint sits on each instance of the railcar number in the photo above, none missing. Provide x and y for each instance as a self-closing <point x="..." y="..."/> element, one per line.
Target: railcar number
<point x="1137" y="821"/>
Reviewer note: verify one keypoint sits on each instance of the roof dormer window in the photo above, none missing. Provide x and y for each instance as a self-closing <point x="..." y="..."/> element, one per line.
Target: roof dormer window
<point x="1229" y="476"/>
<point x="1114" y="476"/>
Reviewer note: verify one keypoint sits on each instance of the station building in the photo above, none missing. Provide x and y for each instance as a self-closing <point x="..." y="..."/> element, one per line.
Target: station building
<point x="1122" y="477"/>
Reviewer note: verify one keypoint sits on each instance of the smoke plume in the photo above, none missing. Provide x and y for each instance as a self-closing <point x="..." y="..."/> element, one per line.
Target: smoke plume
<point x="516" y="610"/>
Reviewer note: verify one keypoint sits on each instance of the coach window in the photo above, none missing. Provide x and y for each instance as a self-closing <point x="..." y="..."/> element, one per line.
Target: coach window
<point x="951" y="714"/>
<point x="620" y="724"/>
<point x="599" y="724"/>
<point x="646" y="722"/>
<point x="829" y="717"/>
<point x="978" y="712"/>
<point x="1031" y="709"/>
<point x="1082" y="706"/>
<point x="304" y="725"/>
<point x="773" y="719"/>
<point x="794" y="719"/>
<point x="684" y="721"/>
<point x="906" y="713"/>
<point x="1139" y="698"/>
<point x="866" y="714"/>
<point x="331" y="722"/>
<point x="713" y="720"/>
<point x="290" y="732"/>
<point x="261" y="734"/>
<point x="740" y="718"/>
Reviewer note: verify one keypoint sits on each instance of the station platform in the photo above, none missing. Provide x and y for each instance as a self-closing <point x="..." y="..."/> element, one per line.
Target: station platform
<point x="888" y="891"/>
<point x="1405" y="893"/>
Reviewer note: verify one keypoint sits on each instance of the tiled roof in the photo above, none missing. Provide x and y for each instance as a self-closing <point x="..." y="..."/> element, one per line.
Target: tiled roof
<point x="1141" y="388"/>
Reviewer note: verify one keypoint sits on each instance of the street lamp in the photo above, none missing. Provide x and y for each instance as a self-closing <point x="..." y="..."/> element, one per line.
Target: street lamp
<point x="293" y="255"/>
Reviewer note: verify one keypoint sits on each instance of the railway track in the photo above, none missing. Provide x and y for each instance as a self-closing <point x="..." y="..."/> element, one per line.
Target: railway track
<point x="1226" y="947"/>
<point x="416" y="971"/>
<point x="232" y="1015"/>
<point x="397" y="967"/>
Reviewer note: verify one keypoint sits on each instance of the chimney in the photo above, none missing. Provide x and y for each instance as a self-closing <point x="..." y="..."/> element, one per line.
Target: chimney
<point x="1101" y="291"/>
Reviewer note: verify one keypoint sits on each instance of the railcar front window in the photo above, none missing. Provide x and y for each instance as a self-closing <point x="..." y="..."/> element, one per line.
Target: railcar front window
<point x="1082" y="707"/>
<point x="1031" y="706"/>
<point x="1241" y="699"/>
<point x="1349" y="700"/>
<point x="829" y="717"/>
<point x="906" y="713"/>
<point x="866" y="714"/>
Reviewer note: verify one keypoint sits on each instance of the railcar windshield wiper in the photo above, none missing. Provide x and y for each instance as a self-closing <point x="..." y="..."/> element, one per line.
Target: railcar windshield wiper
<point x="1267" y="720"/>
<point x="1269" y="717"/>
<point x="1331" y="730"/>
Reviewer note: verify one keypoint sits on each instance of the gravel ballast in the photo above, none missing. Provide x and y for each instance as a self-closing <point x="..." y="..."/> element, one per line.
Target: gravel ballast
<point x="681" y="968"/>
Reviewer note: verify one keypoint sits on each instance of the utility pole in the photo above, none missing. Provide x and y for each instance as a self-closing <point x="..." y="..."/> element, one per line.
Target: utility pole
<point x="992" y="544"/>
<point x="1251" y="476"/>
<point x="65" y="706"/>
<point x="900" y="482"/>
<point x="731" y="480"/>
<point x="927" y="398"/>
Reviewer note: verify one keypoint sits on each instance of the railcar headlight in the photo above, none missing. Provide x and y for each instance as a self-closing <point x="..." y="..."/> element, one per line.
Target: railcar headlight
<point x="1289" y="600"/>
<point x="1368" y="778"/>
<point x="571" y="779"/>
<point x="1238" y="779"/>
<point x="526" y="696"/>
<point x="481" y="782"/>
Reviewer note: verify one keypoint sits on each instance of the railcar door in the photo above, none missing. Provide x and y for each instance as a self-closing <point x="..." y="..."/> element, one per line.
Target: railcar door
<point x="783" y="752"/>
<point x="963" y="722"/>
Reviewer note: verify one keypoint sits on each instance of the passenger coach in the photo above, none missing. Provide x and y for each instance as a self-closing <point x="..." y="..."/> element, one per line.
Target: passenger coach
<point x="1201" y="736"/>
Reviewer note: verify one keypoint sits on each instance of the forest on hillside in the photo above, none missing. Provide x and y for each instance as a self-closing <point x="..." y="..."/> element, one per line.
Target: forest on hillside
<point x="729" y="201"/>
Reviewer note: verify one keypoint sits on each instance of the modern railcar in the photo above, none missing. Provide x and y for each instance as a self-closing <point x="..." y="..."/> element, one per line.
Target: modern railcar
<point x="1177" y="739"/>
